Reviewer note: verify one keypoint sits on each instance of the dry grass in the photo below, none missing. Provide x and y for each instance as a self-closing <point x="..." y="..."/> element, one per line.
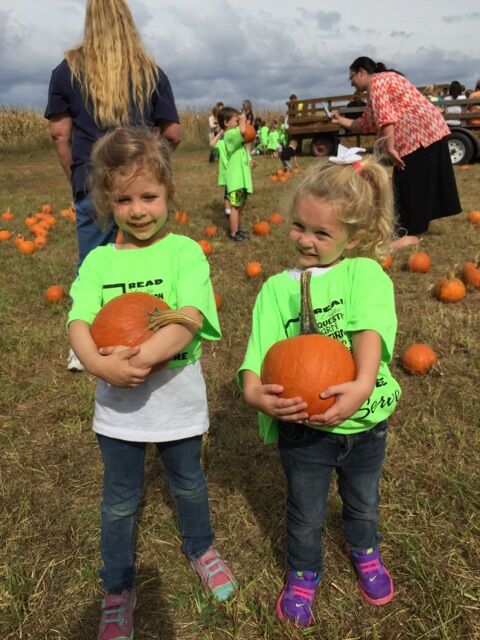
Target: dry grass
<point x="50" y="476"/>
<point x="26" y="130"/>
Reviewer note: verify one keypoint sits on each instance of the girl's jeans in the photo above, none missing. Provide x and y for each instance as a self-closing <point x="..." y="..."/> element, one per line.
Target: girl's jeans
<point x="309" y="457"/>
<point x="123" y="479"/>
<point x="89" y="233"/>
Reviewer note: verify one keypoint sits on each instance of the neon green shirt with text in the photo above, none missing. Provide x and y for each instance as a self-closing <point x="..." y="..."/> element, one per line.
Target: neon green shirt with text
<point x="354" y="295"/>
<point x="174" y="269"/>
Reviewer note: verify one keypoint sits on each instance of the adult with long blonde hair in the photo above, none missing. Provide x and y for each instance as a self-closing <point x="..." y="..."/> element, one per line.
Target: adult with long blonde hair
<point x="106" y="81"/>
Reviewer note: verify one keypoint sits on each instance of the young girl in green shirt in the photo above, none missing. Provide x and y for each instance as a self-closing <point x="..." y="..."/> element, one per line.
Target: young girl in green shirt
<point x="341" y="209"/>
<point x="134" y="404"/>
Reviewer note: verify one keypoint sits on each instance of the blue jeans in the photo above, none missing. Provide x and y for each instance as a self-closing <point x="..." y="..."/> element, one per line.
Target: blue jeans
<point x="123" y="480"/>
<point x="309" y="457"/>
<point x="89" y="233"/>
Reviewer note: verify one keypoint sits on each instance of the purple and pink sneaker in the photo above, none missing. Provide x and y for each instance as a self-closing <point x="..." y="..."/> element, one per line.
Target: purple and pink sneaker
<point x="296" y="600"/>
<point x="374" y="581"/>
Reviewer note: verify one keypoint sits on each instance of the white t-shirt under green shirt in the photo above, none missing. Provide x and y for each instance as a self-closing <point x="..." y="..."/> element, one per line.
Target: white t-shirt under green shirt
<point x="171" y="404"/>
<point x="354" y="295"/>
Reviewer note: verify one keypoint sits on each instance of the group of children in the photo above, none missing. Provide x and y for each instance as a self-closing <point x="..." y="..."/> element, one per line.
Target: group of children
<point x="235" y="163"/>
<point x="341" y="224"/>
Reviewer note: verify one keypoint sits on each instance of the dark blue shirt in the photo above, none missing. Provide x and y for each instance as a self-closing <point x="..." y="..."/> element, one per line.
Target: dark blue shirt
<point x="65" y="96"/>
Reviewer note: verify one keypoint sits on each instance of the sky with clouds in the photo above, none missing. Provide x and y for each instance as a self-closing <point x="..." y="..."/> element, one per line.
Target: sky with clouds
<point x="263" y="50"/>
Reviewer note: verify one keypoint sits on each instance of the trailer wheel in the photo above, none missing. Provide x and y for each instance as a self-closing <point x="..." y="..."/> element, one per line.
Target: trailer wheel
<point x="460" y="147"/>
<point x="321" y="146"/>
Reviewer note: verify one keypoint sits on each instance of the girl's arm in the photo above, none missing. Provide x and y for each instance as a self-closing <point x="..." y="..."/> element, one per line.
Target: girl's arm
<point x="61" y="133"/>
<point x="115" y="367"/>
<point x="216" y="138"/>
<point x="166" y="342"/>
<point x="367" y="351"/>
<point x="264" y="397"/>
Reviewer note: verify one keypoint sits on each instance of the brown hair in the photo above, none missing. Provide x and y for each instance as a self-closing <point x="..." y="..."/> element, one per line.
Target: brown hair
<point x="111" y="64"/>
<point x="362" y="197"/>
<point x="121" y="150"/>
<point x="226" y="114"/>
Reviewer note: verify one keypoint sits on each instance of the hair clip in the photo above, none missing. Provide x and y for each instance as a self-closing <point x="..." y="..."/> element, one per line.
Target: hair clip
<point x="348" y="155"/>
<point x="357" y="165"/>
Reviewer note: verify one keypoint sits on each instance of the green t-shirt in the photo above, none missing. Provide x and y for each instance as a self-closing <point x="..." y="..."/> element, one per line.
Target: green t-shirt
<point x="264" y="135"/>
<point x="222" y="161"/>
<point x="238" y="174"/>
<point x="273" y="139"/>
<point x="174" y="269"/>
<point x="282" y="134"/>
<point x="354" y="295"/>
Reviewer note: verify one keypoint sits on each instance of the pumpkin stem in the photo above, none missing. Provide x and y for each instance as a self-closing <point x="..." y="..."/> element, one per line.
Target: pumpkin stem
<point x="161" y="318"/>
<point x="308" y="323"/>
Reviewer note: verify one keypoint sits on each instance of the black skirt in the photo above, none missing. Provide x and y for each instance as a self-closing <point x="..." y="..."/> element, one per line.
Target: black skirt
<point x="425" y="189"/>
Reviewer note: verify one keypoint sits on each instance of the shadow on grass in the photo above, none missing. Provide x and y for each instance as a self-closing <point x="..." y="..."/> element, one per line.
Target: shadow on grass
<point x="237" y="461"/>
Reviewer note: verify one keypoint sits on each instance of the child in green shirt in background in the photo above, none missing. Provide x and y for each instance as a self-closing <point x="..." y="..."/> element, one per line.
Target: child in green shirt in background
<point x="263" y="136"/>
<point x="273" y="140"/>
<point x="238" y="176"/>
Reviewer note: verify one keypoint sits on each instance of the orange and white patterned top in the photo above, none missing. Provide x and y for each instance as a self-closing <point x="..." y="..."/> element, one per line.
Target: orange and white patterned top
<point x="394" y="100"/>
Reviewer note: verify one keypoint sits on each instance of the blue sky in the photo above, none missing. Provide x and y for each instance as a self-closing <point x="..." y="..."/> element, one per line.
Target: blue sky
<point x="263" y="50"/>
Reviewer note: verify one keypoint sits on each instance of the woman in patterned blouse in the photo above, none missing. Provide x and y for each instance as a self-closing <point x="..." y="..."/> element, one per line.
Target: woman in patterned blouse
<point x="414" y="136"/>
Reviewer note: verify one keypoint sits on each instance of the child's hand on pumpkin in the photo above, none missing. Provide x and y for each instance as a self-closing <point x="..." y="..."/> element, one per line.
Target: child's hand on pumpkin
<point x="116" y="369"/>
<point x="349" y="398"/>
<point x="265" y="398"/>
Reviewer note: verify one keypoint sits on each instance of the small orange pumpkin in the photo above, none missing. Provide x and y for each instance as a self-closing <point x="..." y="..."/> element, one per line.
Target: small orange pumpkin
<point x="449" y="289"/>
<point x="47" y="208"/>
<point x="5" y="235"/>
<point x="8" y="215"/>
<point x="471" y="274"/>
<point x="419" y="262"/>
<point x="387" y="263"/>
<point x="54" y="293"/>
<point x="250" y="133"/>
<point x="181" y="217"/>
<point x="273" y="178"/>
<point x="283" y="178"/>
<point x="210" y="231"/>
<point x="474" y="217"/>
<point x="261" y="228"/>
<point x="418" y="358"/>
<point x="218" y="300"/>
<point x="40" y="241"/>
<point x="276" y="218"/>
<point x="307" y="364"/>
<point x="253" y="269"/>
<point x="206" y="247"/>
<point x="30" y="221"/>
<point x="26" y="247"/>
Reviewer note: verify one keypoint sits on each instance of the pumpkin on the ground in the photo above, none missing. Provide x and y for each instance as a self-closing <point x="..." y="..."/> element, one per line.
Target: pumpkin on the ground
<point x="307" y="364"/>
<point x="449" y="289"/>
<point x="253" y="269"/>
<point x="4" y="235"/>
<point x="207" y="248"/>
<point x="474" y="217"/>
<point x="261" y="228"/>
<point x="471" y="274"/>
<point x="54" y="293"/>
<point x="419" y="262"/>
<point x="7" y="215"/>
<point x="211" y="231"/>
<point x="276" y="218"/>
<point x="387" y="263"/>
<point x="418" y="358"/>
<point x="26" y="247"/>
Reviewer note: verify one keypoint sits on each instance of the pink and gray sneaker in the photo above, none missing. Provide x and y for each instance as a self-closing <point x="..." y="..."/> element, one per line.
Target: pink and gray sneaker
<point x="374" y="581"/>
<point x="215" y="574"/>
<point x="116" y="621"/>
<point x="296" y="600"/>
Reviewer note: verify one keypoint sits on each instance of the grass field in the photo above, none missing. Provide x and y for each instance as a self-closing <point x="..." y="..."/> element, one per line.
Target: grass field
<point x="50" y="474"/>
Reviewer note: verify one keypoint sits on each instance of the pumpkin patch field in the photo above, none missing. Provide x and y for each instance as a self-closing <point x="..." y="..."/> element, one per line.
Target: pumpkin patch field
<point x="51" y="472"/>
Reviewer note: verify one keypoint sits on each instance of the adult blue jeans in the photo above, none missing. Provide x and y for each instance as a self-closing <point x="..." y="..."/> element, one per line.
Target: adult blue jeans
<point x="123" y="480"/>
<point x="89" y="233"/>
<point x="309" y="457"/>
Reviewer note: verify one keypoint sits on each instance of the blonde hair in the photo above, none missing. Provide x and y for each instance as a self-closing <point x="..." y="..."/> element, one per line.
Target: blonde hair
<point x="361" y="196"/>
<point x="111" y="64"/>
<point x="121" y="150"/>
